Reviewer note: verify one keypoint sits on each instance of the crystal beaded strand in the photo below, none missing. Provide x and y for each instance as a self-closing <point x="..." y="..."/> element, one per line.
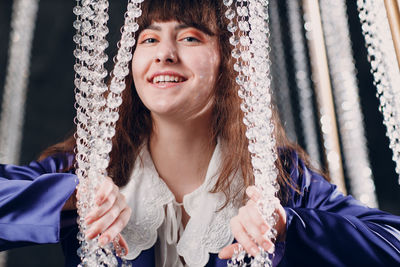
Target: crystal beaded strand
<point x="89" y="81"/>
<point x="303" y="83"/>
<point x="262" y="143"/>
<point x="322" y="84"/>
<point x="23" y="24"/>
<point x="240" y="67"/>
<point x="253" y="66"/>
<point x="279" y="74"/>
<point x="345" y="91"/>
<point x="384" y="68"/>
<point x="96" y="113"/>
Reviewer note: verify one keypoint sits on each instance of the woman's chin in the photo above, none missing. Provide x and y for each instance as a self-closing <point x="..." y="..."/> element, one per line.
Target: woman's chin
<point x="164" y="111"/>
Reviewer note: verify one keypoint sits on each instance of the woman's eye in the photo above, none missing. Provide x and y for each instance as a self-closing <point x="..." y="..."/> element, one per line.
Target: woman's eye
<point x="191" y="39"/>
<point x="149" y="41"/>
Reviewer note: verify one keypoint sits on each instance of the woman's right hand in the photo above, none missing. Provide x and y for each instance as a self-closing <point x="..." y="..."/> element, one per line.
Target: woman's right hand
<point x="110" y="215"/>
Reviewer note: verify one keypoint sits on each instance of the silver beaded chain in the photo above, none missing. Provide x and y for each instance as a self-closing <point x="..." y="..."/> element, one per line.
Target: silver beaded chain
<point x="384" y="68"/>
<point x="13" y="104"/>
<point x="322" y="85"/>
<point x="97" y="110"/>
<point x="302" y="76"/>
<point x="251" y="50"/>
<point x="280" y="78"/>
<point x="345" y="91"/>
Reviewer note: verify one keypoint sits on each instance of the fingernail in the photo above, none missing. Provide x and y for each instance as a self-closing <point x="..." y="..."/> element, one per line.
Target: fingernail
<point x="254" y="251"/>
<point x="271" y="249"/>
<point x="266" y="246"/>
<point x="250" y="192"/>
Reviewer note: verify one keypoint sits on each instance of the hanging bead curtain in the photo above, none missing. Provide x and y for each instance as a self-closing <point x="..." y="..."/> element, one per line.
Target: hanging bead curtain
<point x="250" y="39"/>
<point x="97" y="109"/>
<point x="280" y="78"/>
<point x="348" y="109"/>
<point x="303" y="83"/>
<point x="13" y="106"/>
<point x="324" y="92"/>
<point x="384" y="68"/>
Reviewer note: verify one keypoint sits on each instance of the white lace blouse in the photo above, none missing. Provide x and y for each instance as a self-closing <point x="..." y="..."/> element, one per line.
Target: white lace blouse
<point x="156" y="216"/>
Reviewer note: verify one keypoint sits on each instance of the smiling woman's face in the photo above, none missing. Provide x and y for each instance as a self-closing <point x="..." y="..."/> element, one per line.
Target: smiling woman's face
<point x="175" y="68"/>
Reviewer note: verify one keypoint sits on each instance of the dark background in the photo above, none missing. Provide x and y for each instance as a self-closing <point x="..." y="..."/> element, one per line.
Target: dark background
<point x="49" y="107"/>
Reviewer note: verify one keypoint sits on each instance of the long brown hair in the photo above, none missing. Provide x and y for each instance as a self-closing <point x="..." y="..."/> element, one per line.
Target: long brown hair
<point x="134" y="126"/>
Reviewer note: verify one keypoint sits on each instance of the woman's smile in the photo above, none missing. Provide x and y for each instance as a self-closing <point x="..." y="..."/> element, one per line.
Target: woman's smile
<point x="167" y="79"/>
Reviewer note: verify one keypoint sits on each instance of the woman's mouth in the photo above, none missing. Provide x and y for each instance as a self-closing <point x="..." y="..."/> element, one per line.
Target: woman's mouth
<point x="163" y="79"/>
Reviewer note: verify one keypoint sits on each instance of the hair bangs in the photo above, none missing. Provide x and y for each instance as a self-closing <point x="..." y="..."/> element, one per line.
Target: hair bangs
<point x="200" y="14"/>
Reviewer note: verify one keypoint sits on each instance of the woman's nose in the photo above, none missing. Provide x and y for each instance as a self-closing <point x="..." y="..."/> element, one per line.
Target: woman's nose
<point x="166" y="52"/>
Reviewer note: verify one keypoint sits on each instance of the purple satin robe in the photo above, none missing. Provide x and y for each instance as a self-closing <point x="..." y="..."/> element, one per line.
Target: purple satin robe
<point x="324" y="228"/>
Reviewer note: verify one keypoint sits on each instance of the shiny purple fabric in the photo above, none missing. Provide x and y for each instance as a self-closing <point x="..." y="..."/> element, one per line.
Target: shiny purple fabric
<point x="324" y="228"/>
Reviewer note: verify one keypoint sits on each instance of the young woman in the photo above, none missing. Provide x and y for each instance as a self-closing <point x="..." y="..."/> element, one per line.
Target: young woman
<point x="182" y="172"/>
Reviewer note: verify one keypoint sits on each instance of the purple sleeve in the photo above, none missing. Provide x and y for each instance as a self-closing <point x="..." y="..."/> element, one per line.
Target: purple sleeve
<point x="31" y="199"/>
<point x="326" y="228"/>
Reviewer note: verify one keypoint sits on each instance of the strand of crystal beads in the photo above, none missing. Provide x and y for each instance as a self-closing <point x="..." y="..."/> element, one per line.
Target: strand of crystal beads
<point x="14" y="95"/>
<point x="303" y="81"/>
<point x="262" y="142"/>
<point x="240" y="42"/>
<point x="322" y="84"/>
<point x="348" y="110"/>
<point x="254" y="89"/>
<point x="239" y="47"/>
<point x="384" y="69"/>
<point x="97" y="114"/>
<point x="280" y="78"/>
<point x="91" y="25"/>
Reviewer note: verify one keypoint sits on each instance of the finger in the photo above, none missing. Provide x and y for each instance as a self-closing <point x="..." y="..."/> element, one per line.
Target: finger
<point x="243" y="238"/>
<point x="105" y="198"/>
<point x="281" y="224"/>
<point x="107" y="219"/>
<point x="253" y="193"/>
<point x="116" y="227"/>
<point x="124" y="245"/>
<point x="99" y="211"/>
<point x="106" y="188"/>
<point x="254" y="225"/>
<point x="227" y="252"/>
<point x="121" y="246"/>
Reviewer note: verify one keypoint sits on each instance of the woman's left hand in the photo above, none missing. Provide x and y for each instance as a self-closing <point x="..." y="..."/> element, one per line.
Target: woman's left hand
<point x="109" y="217"/>
<point x="249" y="227"/>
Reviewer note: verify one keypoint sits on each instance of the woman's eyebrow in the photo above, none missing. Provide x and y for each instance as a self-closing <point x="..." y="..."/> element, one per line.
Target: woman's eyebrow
<point x="158" y="28"/>
<point x="153" y="27"/>
<point x="182" y="26"/>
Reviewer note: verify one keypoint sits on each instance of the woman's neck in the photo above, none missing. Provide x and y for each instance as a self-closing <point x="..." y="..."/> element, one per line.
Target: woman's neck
<point x="181" y="153"/>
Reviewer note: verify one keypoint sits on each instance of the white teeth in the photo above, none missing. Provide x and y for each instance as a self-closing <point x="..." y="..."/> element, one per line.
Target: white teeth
<point x="166" y="78"/>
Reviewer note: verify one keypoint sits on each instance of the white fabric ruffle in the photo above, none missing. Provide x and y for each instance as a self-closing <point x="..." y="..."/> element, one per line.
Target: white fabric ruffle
<point x="155" y="213"/>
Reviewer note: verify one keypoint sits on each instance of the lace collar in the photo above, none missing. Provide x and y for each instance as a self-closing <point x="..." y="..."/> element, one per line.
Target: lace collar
<point x="207" y="230"/>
